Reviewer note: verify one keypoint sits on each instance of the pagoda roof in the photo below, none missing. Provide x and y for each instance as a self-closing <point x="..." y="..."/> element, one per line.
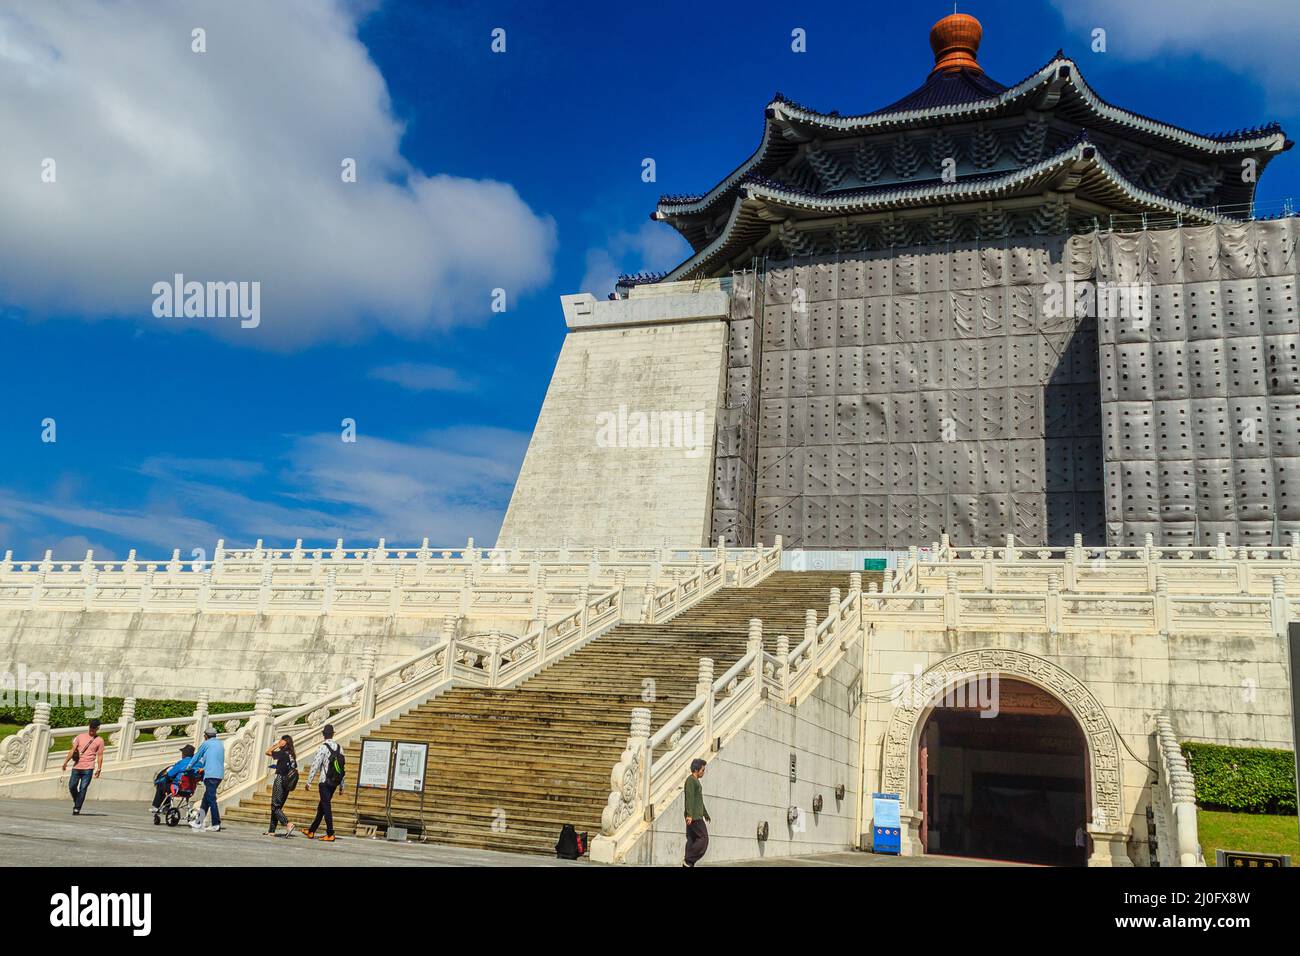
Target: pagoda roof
<point x="968" y="96"/>
<point x="1080" y="169"/>
<point x="947" y="89"/>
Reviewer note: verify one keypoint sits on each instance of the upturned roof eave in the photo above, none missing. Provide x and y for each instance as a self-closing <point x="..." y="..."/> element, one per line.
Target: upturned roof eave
<point x="781" y="111"/>
<point x="1084" y="154"/>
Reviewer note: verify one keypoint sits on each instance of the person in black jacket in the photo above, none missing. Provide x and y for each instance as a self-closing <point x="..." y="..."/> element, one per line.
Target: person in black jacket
<point x="286" y="779"/>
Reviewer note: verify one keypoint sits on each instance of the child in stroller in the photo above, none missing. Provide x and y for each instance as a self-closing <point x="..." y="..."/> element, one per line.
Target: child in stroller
<point x="174" y="789"/>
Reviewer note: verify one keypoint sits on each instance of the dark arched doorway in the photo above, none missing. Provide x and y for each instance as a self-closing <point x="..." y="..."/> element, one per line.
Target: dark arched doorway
<point x="1007" y="787"/>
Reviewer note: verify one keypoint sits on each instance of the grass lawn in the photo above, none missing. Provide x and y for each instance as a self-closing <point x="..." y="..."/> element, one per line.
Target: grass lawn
<point x="1255" y="832"/>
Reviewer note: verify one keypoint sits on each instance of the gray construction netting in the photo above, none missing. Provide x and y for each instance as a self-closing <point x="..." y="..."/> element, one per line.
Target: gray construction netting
<point x="1201" y="401"/>
<point x="881" y="399"/>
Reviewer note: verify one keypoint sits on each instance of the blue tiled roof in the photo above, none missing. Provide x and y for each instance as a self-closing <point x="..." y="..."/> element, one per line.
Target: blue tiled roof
<point x="947" y="89"/>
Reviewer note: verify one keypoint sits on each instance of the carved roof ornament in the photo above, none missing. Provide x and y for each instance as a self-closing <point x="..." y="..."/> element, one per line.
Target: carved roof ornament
<point x="956" y="148"/>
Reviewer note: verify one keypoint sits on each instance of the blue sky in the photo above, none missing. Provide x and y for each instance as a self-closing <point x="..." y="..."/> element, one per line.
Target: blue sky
<point x="477" y="170"/>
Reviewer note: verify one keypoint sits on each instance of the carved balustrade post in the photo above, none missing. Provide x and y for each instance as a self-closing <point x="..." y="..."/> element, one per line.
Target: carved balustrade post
<point x="1278" y="607"/>
<point x="368" y="657"/>
<point x="205" y="588"/>
<point x="648" y="608"/>
<point x="449" y="637"/>
<point x="264" y="589"/>
<point x="754" y="649"/>
<point x="783" y="665"/>
<point x="584" y="596"/>
<point x="395" y="598"/>
<point x="327" y="593"/>
<point x="543" y="614"/>
<point x="494" y="658"/>
<point x="125" y="737"/>
<point x="200" y="718"/>
<point x="1054" y="604"/>
<point x="263" y="725"/>
<point x="39" y="749"/>
<point x="89" y="575"/>
<point x="704" y="692"/>
<point x="638" y="742"/>
<point x="951" y="603"/>
<point x="1162" y="603"/>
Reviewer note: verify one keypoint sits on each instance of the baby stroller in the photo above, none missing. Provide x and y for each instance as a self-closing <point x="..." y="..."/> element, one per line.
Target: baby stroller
<point x="179" y="799"/>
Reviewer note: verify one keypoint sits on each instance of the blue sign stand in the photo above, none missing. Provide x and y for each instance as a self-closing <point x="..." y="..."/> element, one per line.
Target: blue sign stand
<point x="886" y="824"/>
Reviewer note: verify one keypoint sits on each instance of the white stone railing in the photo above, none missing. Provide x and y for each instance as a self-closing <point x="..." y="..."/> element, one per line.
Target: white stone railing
<point x="423" y="582"/>
<point x="1062" y="612"/>
<point x="1173" y="801"/>
<point x="374" y="697"/>
<point x="653" y="766"/>
<point x="1220" y="569"/>
<point x="492" y="661"/>
<point x="685" y="592"/>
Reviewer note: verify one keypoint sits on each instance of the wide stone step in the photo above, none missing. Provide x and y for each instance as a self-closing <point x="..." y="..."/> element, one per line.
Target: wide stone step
<point x="507" y="768"/>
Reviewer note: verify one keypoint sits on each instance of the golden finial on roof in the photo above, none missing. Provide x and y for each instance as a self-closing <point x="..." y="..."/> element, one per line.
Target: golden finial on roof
<point x="955" y="41"/>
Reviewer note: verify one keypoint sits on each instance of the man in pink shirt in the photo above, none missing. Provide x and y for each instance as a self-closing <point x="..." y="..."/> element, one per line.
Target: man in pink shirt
<point x="87" y="759"/>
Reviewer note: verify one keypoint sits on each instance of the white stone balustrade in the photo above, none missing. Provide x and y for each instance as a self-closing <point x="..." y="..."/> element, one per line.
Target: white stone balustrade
<point x="1173" y="801"/>
<point x="650" y="771"/>
<point x="27" y="766"/>
<point x="493" y="583"/>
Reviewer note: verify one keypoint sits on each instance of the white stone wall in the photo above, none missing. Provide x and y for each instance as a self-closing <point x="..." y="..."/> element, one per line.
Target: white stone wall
<point x="748" y="781"/>
<point x="571" y="489"/>
<point x="159" y="655"/>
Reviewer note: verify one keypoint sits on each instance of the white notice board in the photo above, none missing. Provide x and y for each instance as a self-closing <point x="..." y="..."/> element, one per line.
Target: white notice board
<point x="408" y="769"/>
<point x="376" y="757"/>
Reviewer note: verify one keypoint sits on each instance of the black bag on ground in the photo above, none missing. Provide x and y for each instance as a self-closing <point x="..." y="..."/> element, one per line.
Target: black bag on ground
<point x="571" y="843"/>
<point x="566" y="847"/>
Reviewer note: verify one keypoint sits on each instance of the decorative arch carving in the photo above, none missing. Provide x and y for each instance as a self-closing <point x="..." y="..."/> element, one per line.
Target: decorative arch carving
<point x="898" y="769"/>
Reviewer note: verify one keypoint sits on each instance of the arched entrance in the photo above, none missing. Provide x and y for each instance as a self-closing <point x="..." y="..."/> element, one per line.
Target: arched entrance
<point x="901" y="750"/>
<point x="1004" y="779"/>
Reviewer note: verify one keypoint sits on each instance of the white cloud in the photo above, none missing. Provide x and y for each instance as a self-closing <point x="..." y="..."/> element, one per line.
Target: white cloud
<point x="225" y="165"/>
<point x="447" y="484"/>
<point x="1253" y="37"/>
<point x="419" y="377"/>
<point x="653" y="247"/>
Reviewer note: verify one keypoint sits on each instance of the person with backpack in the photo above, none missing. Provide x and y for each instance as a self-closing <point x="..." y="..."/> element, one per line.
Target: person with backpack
<point x="286" y="781"/>
<point x="87" y="759"/>
<point x="328" y="764"/>
<point x="211" y="759"/>
<point x="697" y="834"/>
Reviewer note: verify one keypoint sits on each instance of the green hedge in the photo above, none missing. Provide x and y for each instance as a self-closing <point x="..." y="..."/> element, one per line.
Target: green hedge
<point x="1242" y="779"/>
<point x="112" y="710"/>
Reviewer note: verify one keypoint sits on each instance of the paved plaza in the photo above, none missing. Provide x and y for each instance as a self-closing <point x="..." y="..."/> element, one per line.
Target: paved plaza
<point x="108" y="833"/>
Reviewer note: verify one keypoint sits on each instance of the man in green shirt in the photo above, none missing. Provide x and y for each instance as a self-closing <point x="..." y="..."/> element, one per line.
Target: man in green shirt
<point x="697" y="834"/>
